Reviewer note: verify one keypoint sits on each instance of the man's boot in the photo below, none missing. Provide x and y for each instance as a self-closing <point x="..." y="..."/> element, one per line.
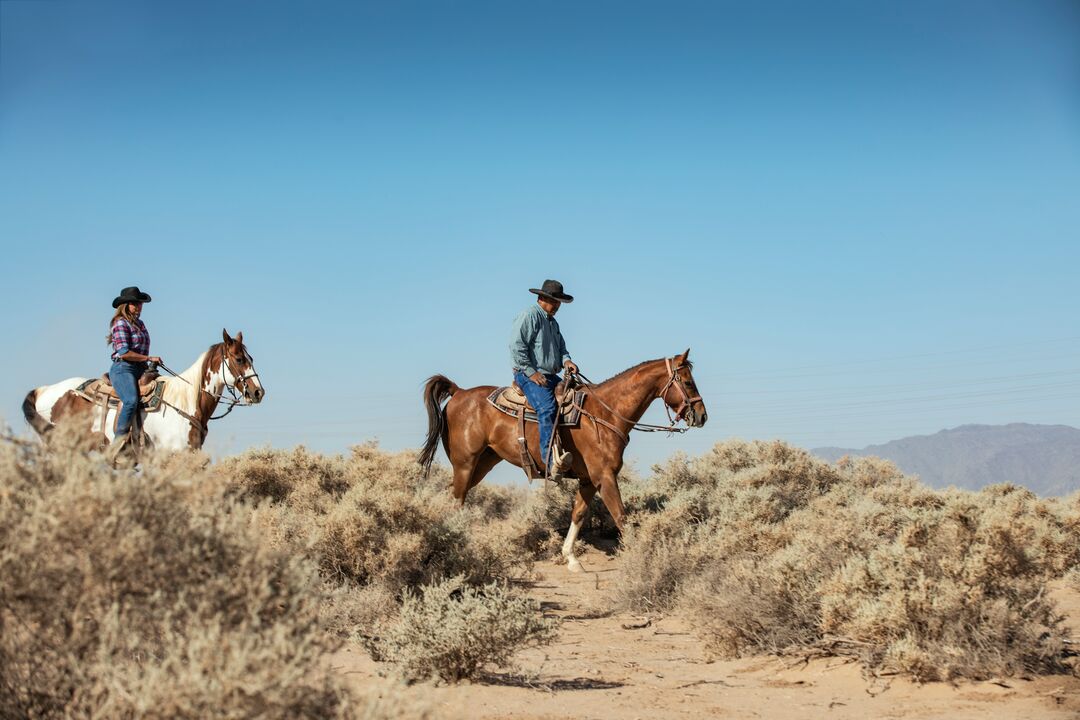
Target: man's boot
<point x="560" y="463"/>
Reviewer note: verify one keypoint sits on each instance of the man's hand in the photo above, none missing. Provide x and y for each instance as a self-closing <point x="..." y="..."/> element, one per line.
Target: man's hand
<point x="153" y="359"/>
<point x="571" y="366"/>
<point x="539" y="378"/>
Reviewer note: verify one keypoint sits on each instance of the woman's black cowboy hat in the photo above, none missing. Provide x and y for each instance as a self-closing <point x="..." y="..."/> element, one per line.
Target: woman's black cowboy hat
<point x="553" y="289"/>
<point x="130" y="295"/>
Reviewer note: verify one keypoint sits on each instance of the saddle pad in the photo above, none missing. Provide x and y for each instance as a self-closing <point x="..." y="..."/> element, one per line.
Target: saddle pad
<point x="149" y="398"/>
<point x="569" y="415"/>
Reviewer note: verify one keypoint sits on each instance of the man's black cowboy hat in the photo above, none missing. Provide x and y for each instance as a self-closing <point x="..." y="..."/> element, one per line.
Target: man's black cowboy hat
<point x="553" y="289"/>
<point x="130" y="295"/>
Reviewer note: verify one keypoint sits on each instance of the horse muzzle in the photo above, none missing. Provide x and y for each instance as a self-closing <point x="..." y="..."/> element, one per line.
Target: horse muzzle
<point x="254" y="395"/>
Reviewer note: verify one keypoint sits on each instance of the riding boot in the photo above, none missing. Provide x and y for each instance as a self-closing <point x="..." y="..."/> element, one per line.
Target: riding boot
<point x="117" y="448"/>
<point x="560" y="461"/>
<point x="561" y="464"/>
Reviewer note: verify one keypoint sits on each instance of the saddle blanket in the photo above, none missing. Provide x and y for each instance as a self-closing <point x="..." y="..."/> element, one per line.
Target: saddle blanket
<point x="149" y="396"/>
<point x="509" y="399"/>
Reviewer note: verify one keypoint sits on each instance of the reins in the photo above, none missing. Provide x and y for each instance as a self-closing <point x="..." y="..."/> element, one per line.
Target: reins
<point x="586" y="384"/>
<point x="233" y="401"/>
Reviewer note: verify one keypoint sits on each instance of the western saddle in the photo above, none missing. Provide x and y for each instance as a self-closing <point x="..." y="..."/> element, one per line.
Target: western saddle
<point x="511" y="401"/>
<point x="100" y="391"/>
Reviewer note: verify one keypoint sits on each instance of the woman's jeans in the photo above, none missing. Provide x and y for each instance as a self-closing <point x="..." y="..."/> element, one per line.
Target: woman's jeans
<point x="542" y="399"/>
<point x="125" y="378"/>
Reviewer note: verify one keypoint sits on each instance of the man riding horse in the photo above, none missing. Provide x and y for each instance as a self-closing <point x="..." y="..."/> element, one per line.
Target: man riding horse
<point x="538" y="352"/>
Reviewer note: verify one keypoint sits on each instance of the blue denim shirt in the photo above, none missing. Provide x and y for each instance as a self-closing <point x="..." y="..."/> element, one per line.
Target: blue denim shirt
<point x="536" y="343"/>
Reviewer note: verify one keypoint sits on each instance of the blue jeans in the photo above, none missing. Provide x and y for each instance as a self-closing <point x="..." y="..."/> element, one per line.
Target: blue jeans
<point x="125" y="378"/>
<point x="542" y="399"/>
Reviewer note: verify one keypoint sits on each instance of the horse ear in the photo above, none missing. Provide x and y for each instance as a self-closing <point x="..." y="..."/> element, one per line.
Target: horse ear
<point x="240" y="337"/>
<point x="685" y="356"/>
<point x="225" y="336"/>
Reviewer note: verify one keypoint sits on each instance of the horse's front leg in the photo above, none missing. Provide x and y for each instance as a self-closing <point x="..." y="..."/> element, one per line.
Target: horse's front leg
<point x="609" y="493"/>
<point x="586" y="492"/>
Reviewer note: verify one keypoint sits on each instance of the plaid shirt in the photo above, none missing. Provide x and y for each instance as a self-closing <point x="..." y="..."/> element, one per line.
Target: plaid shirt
<point x="126" y="337"/>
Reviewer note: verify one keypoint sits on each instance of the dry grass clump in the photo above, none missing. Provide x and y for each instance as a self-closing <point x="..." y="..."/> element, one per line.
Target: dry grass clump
<point x="451" y="630"/>
<point x="147" y="595"/>
<point x="378" y="529"/>
<point x="770" y="549"/>
<point x="375" y="525"/>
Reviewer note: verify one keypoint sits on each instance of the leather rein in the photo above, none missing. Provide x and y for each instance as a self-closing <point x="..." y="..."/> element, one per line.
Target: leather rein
<point x="586" y="384"/>
<point x="234" y="400"/>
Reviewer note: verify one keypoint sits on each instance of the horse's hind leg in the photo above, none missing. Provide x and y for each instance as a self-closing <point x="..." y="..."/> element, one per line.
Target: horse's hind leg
<point x="586" y="492"/>
<point x="471" y="470"/>
<point x="463" y="472"/>
<point x="487" y="460"/>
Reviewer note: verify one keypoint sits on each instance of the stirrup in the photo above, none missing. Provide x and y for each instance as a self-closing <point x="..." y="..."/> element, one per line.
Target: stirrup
<point x="558" y="466"/>
<point x="119" y="448"/>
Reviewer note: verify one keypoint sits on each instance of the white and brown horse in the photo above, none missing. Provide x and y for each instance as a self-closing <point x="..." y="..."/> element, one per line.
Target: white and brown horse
<point x="188" y="400"/>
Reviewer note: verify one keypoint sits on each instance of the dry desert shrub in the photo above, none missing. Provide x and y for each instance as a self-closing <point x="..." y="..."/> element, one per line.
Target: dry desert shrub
<point x="770" y="549"/>
<point x="147" y="595"/>
<point x="452" y="630"/>
<point x="375" y="525"/>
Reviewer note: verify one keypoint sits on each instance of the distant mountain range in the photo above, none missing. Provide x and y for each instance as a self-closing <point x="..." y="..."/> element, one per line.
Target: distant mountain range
<point x="1043" y="458"/>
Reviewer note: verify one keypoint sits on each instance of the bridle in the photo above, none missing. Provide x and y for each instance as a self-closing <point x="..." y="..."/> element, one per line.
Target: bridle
<point x="676" y="380"/>
<point x="235" y="399"/>
<point x="236" y="395"/>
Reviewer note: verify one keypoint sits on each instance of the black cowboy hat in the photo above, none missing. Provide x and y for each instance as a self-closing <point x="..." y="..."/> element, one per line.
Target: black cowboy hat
<point x="553" y="289"/>
<point x="130" y="295"/>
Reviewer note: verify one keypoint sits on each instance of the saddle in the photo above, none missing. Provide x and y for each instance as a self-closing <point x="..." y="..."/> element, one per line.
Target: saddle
<point x="147" y="383"/>
<point x="511" y="401"/>
<point x="100" y="391"/>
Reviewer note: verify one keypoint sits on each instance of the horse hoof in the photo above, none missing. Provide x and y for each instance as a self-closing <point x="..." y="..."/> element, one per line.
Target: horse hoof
<point x="574" y="566"/>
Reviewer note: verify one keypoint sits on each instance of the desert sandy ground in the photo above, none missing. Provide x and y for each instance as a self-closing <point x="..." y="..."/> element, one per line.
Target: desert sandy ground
<point x="627" y="666"/>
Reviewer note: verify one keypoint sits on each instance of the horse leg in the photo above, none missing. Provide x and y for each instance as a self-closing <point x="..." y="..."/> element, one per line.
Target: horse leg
<point x="487" y="460"/>
<point x="463" y="472"/>
<point x="586" y="492"/>
<point x="609" y="493"/>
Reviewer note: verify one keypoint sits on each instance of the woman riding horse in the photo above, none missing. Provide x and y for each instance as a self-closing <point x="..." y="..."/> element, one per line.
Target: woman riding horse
<point x="130" y="342"/>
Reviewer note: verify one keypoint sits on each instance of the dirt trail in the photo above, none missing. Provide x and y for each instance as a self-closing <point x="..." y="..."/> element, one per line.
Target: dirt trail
<point x="624" y="666"/>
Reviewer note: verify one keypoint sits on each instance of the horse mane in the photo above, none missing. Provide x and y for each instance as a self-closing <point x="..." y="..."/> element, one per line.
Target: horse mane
<point x="629" y="370"/>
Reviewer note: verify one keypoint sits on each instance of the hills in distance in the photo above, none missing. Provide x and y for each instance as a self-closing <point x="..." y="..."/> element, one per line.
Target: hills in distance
<point x="1042" y="458"/>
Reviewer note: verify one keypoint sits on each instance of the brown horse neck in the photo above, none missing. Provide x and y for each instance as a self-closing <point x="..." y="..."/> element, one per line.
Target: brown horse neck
<point x="631" y="392"/>
<point x="209" y="389"/>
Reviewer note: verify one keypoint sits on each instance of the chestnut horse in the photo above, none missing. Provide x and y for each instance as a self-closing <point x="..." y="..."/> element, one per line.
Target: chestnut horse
<point x="477" y="436"/>
<point x="189" y="399"/>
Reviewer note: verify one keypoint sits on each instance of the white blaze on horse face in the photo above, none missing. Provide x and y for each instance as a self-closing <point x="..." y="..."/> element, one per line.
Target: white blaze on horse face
<point x="568" y="546"/>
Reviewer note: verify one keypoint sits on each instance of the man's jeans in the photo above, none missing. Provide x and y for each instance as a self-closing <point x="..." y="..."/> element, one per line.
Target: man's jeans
<point x="125" y="378"/>
<point x="542" y="399"/>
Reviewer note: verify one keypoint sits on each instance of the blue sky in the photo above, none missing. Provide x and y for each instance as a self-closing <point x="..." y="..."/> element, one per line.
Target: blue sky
<point x="861" y="216"/>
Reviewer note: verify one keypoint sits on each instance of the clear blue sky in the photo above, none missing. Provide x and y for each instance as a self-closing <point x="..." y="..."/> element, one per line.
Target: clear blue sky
<point x="862" y="216"/>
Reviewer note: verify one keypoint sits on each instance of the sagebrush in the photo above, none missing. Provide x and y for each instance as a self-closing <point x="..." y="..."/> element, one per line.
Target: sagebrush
<point x="452" y="631"/>
<point x="772" y="550"/>
<point x="147" y="595"/>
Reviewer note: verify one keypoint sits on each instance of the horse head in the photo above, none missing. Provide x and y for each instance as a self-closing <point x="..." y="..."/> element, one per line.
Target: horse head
<point x="239" y="368"/>
<point x="680" y="394"/>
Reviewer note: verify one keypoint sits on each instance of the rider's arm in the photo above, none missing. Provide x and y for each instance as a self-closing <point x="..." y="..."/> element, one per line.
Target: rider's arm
<point x="521" y="340"/>
<point x="122" y="341"/>
<point x="132" y="356"/>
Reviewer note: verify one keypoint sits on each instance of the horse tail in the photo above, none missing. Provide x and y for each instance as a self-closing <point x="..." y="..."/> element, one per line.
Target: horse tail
<point x="437" y="389"/>
<point x="36" y="419"/>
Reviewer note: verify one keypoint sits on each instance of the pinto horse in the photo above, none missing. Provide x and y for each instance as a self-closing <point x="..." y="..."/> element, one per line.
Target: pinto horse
<point x="477" y="436"/>
<point x="188" y="399"/>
